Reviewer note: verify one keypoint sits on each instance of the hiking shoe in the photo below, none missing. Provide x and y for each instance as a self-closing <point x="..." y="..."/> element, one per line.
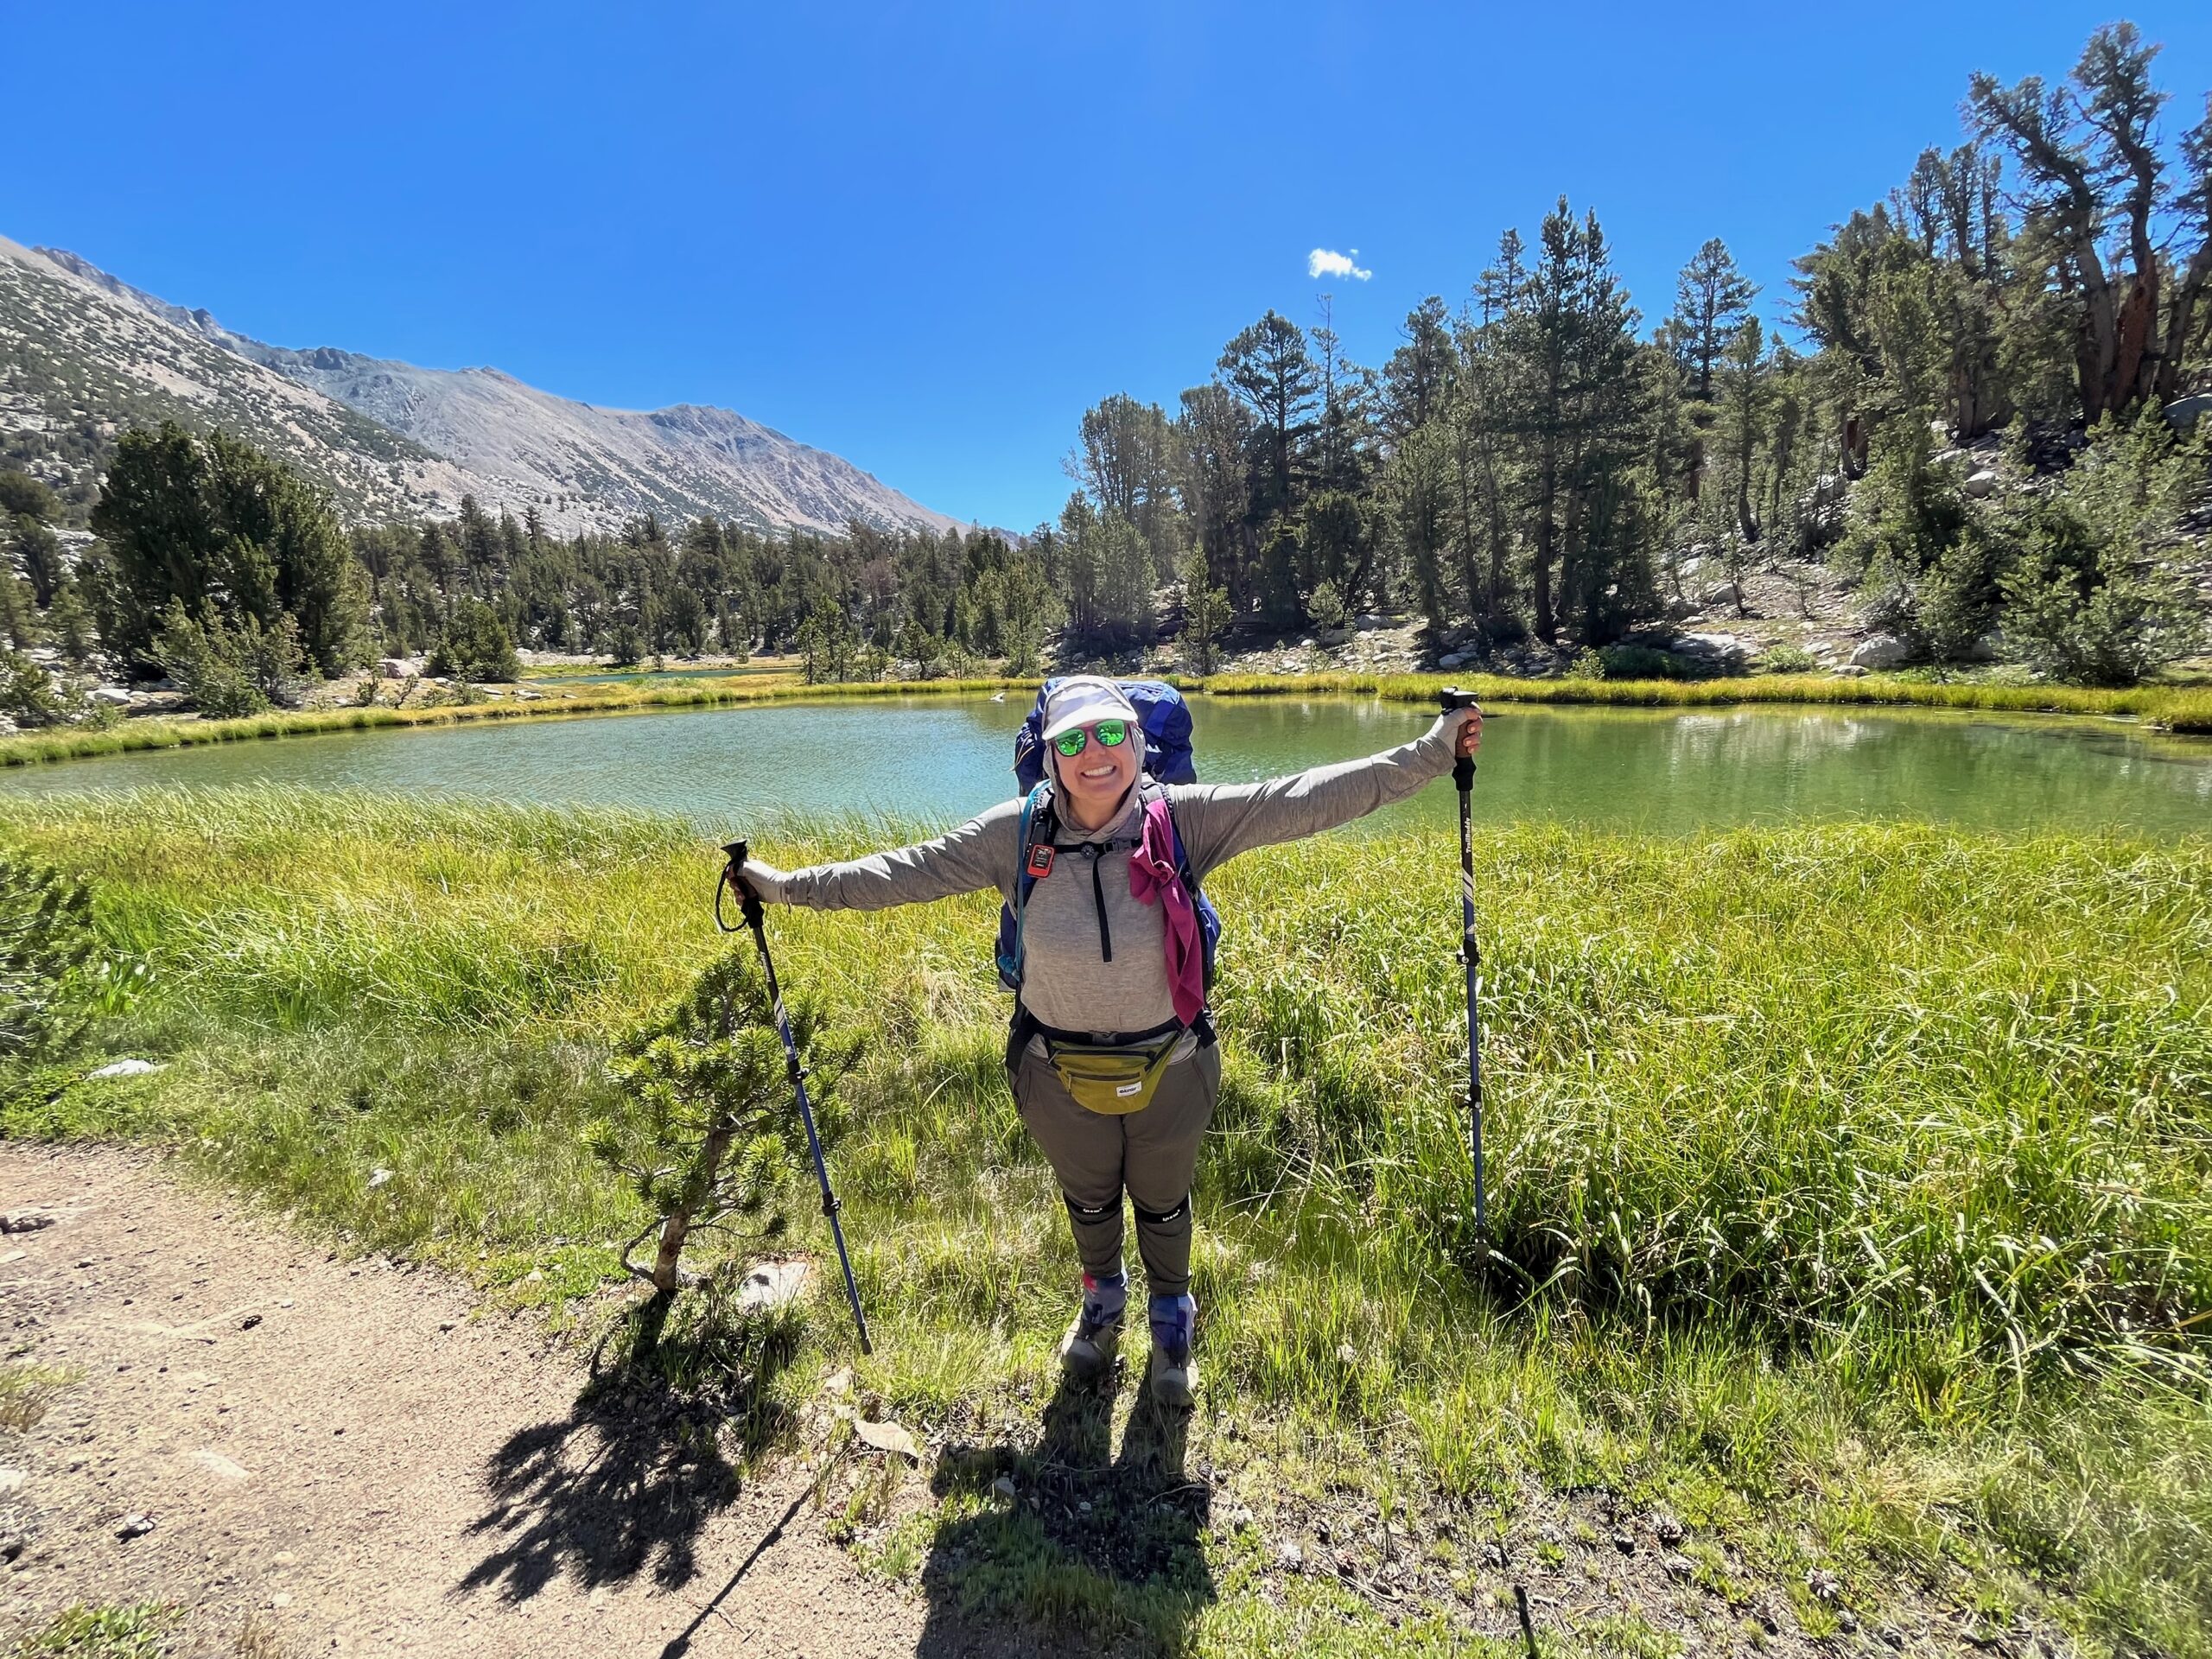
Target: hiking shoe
<point x="1088" y="1348"/>
<point x="1174" y="1373"/>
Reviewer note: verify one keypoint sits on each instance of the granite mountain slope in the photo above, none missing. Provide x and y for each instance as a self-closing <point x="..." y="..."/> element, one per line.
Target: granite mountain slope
<point x="79" y="362"/>
<point x="390" y="439"/>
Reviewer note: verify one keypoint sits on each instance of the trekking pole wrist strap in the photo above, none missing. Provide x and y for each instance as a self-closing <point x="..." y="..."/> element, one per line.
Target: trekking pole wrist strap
<point x="732" y="879"/>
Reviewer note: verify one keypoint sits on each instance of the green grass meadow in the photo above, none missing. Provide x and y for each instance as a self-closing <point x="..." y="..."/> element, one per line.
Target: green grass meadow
<point x="1851" y="1187"/>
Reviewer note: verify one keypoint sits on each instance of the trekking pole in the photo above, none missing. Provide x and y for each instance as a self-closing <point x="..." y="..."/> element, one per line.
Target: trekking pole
<point x="1463" y="775"/>
<point x="749" y="902"/>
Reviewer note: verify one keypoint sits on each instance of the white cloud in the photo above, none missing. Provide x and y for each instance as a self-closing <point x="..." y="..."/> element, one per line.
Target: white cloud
<point x="1327" y="262"/>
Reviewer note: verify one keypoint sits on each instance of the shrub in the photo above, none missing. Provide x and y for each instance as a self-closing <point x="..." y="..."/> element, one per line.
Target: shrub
<point x="1205" y="614"/>
<point x="1788" y="659"/>
<point x="1629" y="663"/>
<point x="1326" y="606"/>
<point x="2080" y="612"/>
<point x="709" y="1132"/>
<point x="1905" y="515"/>
<point x="32" y="697"/>
<point x="230" y="669"/>
<point x="46" y="934"/>
<point x="1960" y="595"/>
<point x="23" y="496"/>
<point x="475" y="646"/>
<point x="2089" y="598"/>
<point x="28" y="693"/>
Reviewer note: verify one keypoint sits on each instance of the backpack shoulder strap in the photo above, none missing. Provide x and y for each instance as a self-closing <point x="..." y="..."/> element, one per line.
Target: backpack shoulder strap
<point x="1036" y="820"/>
<point x="1153" y="789"/>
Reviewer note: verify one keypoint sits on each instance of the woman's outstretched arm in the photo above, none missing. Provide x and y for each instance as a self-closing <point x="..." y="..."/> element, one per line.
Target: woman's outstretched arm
<point x="1219" y="821"/>
<point x="980" y="854"/>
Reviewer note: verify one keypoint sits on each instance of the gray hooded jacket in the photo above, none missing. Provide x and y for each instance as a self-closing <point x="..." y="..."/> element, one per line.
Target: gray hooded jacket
<point x="1068" y="979"/>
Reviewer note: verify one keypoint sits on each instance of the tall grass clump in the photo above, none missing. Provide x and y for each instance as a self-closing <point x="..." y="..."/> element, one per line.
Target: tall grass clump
<point x="1945" y="1095"/>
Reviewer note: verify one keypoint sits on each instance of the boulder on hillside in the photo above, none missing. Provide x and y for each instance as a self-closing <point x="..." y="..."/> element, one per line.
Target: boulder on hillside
<point x="1722" y="593"/>
<point x="1982" y="485"/>
<point x="1714" y="648"/>
<point x="1451" y="659"/>
<point x="1333" y="636"/>
<point x="2181" y="414"/>
<point x="1881" y="651"/>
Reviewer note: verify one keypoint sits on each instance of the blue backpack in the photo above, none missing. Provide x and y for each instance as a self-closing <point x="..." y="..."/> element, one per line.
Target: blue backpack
<point x="1168" y="760"/>
<point x="1160" y="707"/>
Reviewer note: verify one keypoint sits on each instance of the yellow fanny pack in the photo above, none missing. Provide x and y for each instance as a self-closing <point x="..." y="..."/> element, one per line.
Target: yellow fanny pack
<point x="1111" y="1080"/>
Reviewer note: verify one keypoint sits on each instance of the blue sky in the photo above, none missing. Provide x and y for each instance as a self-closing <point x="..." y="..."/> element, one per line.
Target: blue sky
<point x="926" y="236"/>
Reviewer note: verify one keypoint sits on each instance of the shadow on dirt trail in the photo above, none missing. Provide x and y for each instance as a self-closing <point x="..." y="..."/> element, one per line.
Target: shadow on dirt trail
<point x="626" y="1482"/>
<point x="1094" y="1550"/>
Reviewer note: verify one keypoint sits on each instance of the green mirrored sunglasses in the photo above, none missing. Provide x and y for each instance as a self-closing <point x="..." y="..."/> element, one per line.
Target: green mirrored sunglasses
<point x="1112" y="733"/>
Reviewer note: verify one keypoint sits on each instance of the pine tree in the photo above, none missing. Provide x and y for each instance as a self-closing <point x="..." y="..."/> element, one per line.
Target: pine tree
<point x="220" y="527"/>
<point x="1568" y="337"/>
<point x="1417" y="377"/>
<point x="1743" y="387"/>
<point x="1206" y="612"/>
<point x="1417" y="490"/>
<point x="1267" y="367"/>
<point x="2100" y="201"/>
<point x="39" y="554"/>
<point x="1712" y="299"/>
<point x="1212" y="438"/>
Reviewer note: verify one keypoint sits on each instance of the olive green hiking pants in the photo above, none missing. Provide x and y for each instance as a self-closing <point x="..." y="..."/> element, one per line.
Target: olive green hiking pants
<point x="1150" y="1153"/>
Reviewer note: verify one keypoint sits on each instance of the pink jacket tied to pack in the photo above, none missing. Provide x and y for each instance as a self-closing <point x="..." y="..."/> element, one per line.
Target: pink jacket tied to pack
<point x="1153" y="880"/>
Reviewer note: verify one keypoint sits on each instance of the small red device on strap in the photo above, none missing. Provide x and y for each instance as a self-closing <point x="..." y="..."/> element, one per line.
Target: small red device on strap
<point x="1040" y="860"/>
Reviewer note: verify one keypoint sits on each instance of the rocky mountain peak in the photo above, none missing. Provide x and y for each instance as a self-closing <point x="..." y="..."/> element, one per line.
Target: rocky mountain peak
<point x="133" y="356"/>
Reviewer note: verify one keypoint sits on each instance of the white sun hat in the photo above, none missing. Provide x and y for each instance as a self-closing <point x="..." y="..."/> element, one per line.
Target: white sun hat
<point x="1083" y="700"/>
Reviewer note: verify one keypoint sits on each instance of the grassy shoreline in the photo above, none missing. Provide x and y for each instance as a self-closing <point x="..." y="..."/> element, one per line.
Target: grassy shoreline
<point x="2186" y="711"/>
<point x="1863" y="1165"/>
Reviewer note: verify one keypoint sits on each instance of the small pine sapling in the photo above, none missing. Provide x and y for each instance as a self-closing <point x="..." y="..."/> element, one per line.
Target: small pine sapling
<point x="45" y="937"/>
<point x="708" y="1136"/>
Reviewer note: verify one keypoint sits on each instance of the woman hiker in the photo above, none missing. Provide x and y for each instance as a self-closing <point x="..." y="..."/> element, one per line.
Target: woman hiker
<point x="1111" y="1009"/>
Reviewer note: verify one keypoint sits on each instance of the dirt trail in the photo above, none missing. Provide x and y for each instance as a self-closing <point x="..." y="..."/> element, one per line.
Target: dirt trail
<point x="336" y="1460"/>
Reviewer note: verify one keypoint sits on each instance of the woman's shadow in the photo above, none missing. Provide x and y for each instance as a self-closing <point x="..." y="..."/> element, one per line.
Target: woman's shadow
<point x="1064" y="1541"/>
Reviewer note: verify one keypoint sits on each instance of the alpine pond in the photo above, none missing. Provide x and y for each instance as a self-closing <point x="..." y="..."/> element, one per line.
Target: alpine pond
<point x="937" y="759"/>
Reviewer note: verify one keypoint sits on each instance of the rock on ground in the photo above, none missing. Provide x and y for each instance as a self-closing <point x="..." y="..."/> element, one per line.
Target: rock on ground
<point x="1881" y="651"/>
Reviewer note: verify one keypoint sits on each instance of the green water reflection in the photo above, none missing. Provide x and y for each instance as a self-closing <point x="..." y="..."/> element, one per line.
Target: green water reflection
<point x="940" y="759"/>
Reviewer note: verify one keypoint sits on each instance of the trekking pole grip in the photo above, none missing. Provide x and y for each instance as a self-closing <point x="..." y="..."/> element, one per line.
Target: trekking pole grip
<point x="733" y="878"/>
<point x="1462" y="765"/>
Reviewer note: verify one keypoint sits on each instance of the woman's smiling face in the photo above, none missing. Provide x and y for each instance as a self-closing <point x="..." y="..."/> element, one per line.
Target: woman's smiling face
<point x="1093" y="783"/>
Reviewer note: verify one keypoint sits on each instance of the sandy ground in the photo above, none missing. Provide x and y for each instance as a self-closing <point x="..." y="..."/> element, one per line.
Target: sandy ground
<point x="336" y="1459"/>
